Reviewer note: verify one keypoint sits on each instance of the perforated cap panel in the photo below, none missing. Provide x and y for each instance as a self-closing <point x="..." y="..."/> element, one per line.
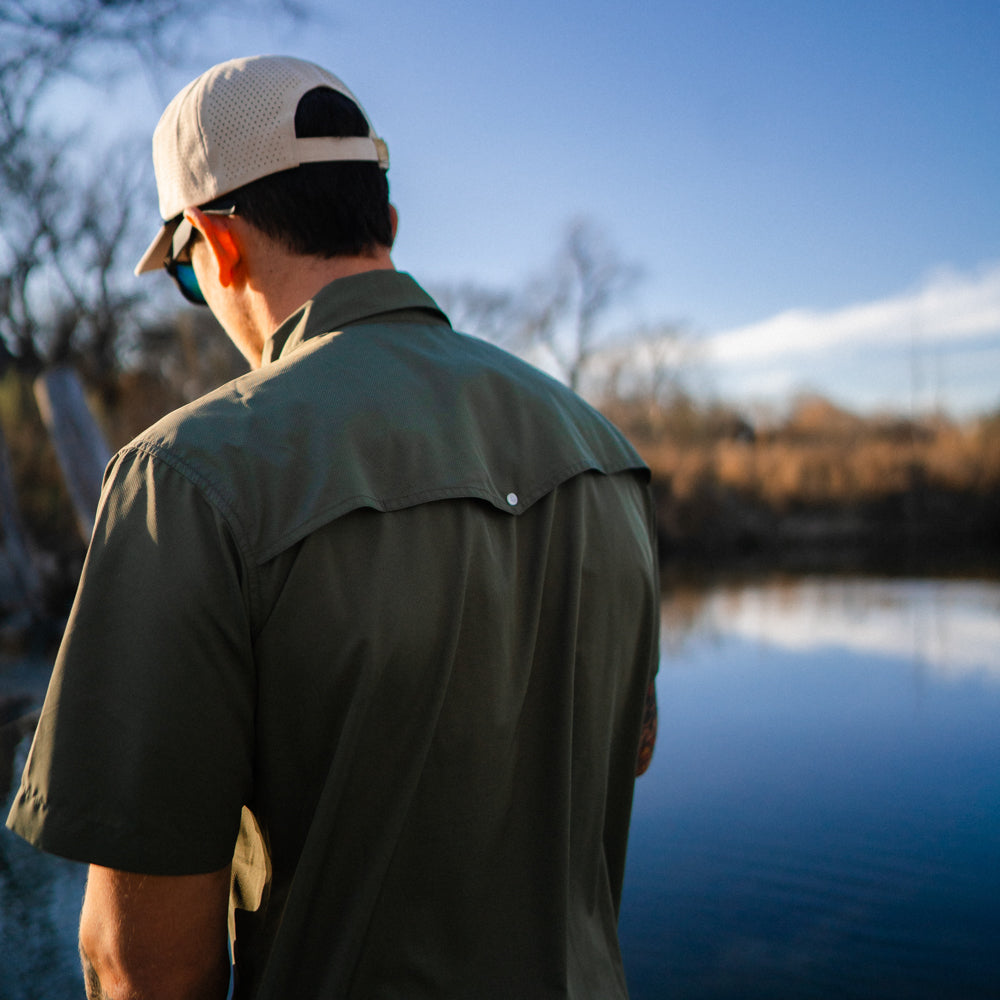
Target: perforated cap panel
<point x="236" y="123"/>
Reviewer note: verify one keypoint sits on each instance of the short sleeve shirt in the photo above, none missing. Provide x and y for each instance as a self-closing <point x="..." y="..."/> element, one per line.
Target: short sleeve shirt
<point x="375" y="623"/>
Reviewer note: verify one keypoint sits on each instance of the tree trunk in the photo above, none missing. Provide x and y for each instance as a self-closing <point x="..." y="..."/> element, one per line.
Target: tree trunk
<point x="80" y="446"/>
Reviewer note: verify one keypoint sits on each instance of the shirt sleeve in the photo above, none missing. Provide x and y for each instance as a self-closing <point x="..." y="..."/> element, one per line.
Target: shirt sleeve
<point x="143" y="755"/>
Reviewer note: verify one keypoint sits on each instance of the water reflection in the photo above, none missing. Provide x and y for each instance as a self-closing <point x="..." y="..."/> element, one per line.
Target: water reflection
<point x="822" y="815"/>
<point x="950" y="628"/>
<point x="821" y="818"/>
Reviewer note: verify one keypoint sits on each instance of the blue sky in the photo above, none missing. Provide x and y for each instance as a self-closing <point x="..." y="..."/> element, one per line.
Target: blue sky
<point x="811" y="188"/>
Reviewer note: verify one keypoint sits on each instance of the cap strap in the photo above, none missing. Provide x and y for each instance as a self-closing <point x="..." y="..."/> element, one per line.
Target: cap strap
<point x="345" y="149"/>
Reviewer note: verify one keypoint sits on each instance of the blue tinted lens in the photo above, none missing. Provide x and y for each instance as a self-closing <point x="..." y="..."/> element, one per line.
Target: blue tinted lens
<point x="187" y="281"/>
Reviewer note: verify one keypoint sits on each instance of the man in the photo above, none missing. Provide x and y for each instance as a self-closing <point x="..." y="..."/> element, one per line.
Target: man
<point x="365" y="639"/>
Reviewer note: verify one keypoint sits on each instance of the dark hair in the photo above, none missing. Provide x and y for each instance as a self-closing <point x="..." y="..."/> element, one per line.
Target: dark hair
<point x="321" y="209"/>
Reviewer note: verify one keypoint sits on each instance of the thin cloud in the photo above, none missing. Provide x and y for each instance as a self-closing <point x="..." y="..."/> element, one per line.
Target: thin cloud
<point x="949" y="307"/>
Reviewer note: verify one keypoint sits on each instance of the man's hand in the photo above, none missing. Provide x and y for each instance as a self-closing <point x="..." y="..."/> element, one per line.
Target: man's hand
<point x="647" y="741"/>
<point x="153" y="936"/>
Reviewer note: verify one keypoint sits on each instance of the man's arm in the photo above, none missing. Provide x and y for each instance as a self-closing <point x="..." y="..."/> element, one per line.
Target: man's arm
<point x="153" y="936"/>
<point x="647" y="741"/>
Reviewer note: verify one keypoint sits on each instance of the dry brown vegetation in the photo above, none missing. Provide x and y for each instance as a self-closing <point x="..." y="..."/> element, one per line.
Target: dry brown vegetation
<point x="823" y="485"/>
<point x="821" y="489"/>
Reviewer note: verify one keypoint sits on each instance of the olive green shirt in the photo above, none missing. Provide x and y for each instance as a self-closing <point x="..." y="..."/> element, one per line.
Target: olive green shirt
<point x="382" y="615"/>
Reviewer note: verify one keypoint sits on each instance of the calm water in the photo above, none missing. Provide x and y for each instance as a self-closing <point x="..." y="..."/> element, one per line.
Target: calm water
<point x="822" y="817"/>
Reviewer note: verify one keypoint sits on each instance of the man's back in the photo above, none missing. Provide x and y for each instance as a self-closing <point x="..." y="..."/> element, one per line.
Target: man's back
<point x="469" y="735"/>
<point x="454" y="672"/>
<point x="393" y="600"/>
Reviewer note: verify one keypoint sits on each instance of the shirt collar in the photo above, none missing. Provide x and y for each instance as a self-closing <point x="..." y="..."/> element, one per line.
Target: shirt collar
<point x="382" y="296"/>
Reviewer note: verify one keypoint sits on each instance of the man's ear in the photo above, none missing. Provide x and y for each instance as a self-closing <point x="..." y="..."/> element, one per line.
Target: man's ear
<point x="224" y="242"/>
<point x="393" y="224"/>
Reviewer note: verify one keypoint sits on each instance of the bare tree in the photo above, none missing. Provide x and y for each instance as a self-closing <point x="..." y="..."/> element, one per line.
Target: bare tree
<point x="648" y="371"/>
<point x="66" y="293"/>
<point x="565" y="310"/>
<point x="559" y="311"/>
<point x="495" y="314"/>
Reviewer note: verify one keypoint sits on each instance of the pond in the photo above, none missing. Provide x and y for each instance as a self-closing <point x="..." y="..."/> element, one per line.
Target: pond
<point x="821" y="819"/>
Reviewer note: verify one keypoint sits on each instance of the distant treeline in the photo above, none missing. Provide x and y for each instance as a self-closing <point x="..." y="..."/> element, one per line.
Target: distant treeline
<point x="820" y="489"/>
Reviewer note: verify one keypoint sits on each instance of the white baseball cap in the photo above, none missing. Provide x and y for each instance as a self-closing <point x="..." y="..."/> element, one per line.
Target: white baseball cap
<point x="235" y="124"/>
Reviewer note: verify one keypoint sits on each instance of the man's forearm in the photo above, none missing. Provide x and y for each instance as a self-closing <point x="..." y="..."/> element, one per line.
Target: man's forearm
<point x="216" y="988"/>
<point x="647" y="740"/>
<point x="91" y="980"/>
<point x="145" y="937"/>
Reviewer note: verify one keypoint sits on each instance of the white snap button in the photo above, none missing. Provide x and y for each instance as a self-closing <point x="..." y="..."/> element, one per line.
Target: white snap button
<point x="512" y="499"/>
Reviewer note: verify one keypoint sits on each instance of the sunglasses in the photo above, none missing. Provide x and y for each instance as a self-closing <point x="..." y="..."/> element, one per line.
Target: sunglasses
<point x="180" y="267"/>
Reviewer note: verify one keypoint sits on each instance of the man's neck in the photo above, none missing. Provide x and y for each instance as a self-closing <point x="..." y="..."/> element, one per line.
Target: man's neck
<point x="288" y="281"/>
<point x="295" y="280"/>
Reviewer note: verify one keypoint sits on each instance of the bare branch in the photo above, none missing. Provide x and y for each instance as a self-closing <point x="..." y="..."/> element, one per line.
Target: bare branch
<point x="495" y="314"/>
<point x="588" y="279"/>
<point x="65" y="290"/>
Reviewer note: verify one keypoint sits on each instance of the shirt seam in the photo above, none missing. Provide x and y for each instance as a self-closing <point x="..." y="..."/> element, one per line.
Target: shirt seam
<point x="345" y="505"/>
<point x="215" y="497"/>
